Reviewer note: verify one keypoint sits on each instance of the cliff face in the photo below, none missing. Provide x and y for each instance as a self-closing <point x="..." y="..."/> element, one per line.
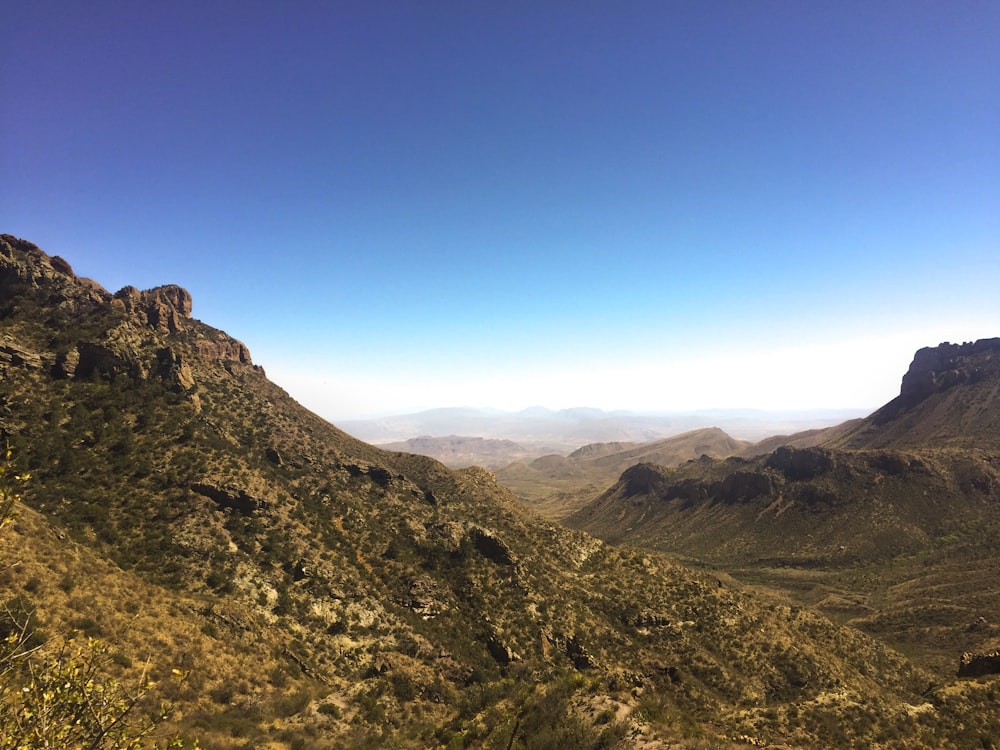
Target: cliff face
<point x="949" y="397"/>
<point x="938" y="368"/>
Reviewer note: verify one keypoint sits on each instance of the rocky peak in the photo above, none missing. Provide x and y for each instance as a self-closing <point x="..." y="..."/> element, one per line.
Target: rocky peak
<point x="939" y="367"/>
<point x="29" y="257"/>
<point x="25" y="266"/>
<point x="30" y="275"/>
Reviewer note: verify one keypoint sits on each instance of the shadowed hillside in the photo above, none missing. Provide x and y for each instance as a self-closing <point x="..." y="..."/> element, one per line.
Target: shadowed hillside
<point x="314" y="591"/>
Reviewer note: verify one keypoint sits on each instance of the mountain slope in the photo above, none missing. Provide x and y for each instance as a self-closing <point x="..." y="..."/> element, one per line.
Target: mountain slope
<point x="890" y="524"/>
<point x="557" y="486"/>
<point x="804" y="439"/>
<point x="320" y="592"/>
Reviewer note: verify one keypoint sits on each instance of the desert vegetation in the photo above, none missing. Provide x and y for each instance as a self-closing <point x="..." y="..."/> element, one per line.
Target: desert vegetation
<point x="277" y="583"/>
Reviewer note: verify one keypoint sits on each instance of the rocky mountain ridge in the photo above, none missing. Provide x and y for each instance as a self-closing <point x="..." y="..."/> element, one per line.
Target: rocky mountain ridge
<point x="28" y="274"/>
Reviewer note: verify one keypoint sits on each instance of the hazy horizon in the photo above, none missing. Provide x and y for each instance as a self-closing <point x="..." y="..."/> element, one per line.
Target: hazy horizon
<point x="644" y="206"/>
<point x="535" y="408"/>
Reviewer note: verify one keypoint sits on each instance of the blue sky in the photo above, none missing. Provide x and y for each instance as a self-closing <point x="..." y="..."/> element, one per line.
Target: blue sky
<point x="638" y="205"/>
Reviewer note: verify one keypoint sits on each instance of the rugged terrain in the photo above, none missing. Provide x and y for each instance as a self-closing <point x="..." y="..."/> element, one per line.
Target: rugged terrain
<point x="889" y="523"/>
<point x="557" y="485"/>
<point x="291" y="586"/>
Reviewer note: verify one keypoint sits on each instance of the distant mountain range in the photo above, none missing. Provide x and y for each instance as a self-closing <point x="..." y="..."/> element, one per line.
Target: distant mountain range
<point x="539" y="431"/>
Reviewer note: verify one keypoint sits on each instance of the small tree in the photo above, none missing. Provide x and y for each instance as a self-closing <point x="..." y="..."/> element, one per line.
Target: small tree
<point x="60" y="698"/>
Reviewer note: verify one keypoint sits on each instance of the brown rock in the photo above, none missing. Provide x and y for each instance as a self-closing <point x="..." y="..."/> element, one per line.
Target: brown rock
<point x="15" y="356"/>
<point x="24" y="266"/>
<point x="129" y="298"/>
<point x="174" y="370"/>
<point x="225" y="349"/>
<point x="166" y="307"/>
<point x="61" y="266"/>
<point x="163" y="308"/>
<point x="66" y="363"/>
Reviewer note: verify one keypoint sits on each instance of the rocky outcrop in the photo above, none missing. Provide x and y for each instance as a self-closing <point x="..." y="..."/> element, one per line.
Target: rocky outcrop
<point x="12" y="355"/>
<point x="425" y="597"/>
<point x="977" y="665"/>
<point x="163" y="308"/>
<point x="174" y="370"/>
<point x="381" y="476"/>
<point x="29" y="276"/>
<point x="234" y="498"/>
<point x="166" y="307"/>
<point x="500" y="651"/>
<point x="492" y="547"/>
<point x="26" y="268"/>
<point x="66" y="363"/>
<point x="642" y="479"/>
<point x="949" y="396"/>
<point x="940" y="367"/>
<point x="894" y="463"/>
<point x="579" y="654"/>
<point x="744" y="485"/>
<point x="29" y="263"/>
<point x="222" y="348"/>
<point x="108" y="360"/>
